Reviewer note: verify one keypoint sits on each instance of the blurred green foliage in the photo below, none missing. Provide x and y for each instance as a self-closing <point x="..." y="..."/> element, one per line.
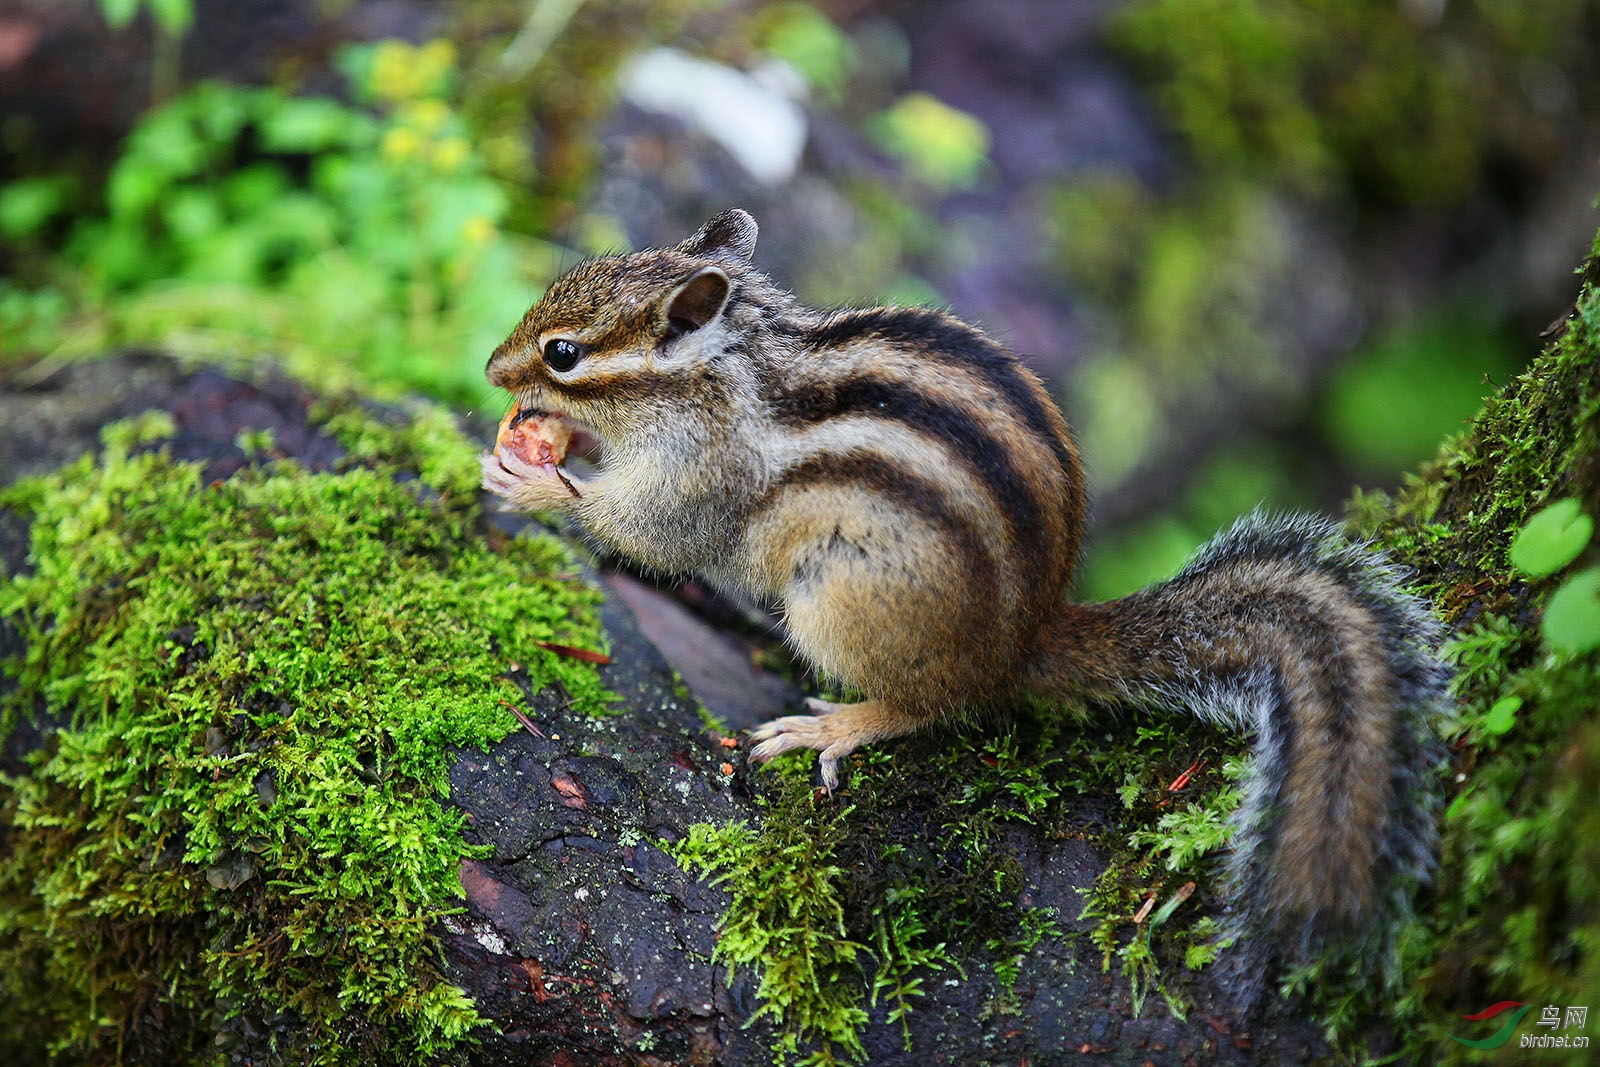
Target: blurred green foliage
<point x="173" y="16"/>
<point x="172" y="19"/>
<point x="384" y="236"/>
<point x="243" y="220"/>
<point x="1394" y="399"/>
<point x="808" y="41"/>
<point x="1405" y="102"/>
<point x="539" y="77"/>
<point x="1304" y="122"/>
<point x="1188" y="299"/>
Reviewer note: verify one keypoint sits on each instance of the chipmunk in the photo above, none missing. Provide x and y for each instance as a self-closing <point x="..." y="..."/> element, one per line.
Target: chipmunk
<point x="905" y="491"/>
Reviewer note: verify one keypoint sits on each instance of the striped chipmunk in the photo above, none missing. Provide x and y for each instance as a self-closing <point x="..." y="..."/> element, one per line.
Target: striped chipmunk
<point x="906" y="493"/>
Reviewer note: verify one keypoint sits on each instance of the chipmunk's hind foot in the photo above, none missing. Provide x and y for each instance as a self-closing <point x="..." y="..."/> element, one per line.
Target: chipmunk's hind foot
<point x="833" y="730"/>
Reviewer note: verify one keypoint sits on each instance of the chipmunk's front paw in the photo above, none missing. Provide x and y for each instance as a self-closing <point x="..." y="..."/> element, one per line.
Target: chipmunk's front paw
<point x="526" y="486"/>
<point x="831" y="735"/>
<point x="496" y="478"/>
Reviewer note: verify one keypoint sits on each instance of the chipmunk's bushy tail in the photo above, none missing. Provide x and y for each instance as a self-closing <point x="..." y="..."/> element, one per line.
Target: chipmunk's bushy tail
<point x="1285" y="627"/>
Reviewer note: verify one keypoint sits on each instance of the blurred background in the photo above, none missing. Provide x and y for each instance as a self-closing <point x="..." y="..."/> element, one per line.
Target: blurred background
<point x="1262" y="251"/>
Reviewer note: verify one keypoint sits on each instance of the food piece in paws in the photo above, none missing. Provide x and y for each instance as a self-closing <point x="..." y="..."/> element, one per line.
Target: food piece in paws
<point x="538" y="439"/>
<point x="535" y="437"/>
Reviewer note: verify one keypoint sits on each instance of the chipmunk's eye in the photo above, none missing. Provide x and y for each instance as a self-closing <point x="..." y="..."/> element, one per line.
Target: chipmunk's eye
<point x="562" y="354"/>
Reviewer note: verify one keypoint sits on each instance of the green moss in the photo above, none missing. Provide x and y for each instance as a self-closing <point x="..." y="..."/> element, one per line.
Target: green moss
<point x="787" y="918"/>
<point x="1163" y="852"/>
<point x="422" y="437"/>
<point x="1515" y="913"/>
<point x="836" y="921"/>
<point x="854" y="902"/>
<point x="231" y="841"/>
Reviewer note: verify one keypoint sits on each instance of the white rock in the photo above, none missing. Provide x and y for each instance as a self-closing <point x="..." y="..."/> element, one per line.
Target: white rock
<point x="763" y="129"/>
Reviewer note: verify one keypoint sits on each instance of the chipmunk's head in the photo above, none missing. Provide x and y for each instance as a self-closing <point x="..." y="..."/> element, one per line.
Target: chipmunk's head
<point x="621" y="342"/>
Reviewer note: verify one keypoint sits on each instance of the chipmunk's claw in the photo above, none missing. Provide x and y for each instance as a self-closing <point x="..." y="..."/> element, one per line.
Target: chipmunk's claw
<point x="830" y="737"/>
<point x="528" y="486"/>
<point x="496" y="478"/>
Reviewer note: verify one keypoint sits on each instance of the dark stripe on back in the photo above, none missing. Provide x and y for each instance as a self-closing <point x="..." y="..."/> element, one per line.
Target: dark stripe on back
<point x="966" y="437"/>
<point x="886" y="479"/>
<point x="943" y="337"/>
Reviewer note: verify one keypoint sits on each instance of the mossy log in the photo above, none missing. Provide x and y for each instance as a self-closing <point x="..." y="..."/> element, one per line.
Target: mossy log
<point x="621" y="888"/>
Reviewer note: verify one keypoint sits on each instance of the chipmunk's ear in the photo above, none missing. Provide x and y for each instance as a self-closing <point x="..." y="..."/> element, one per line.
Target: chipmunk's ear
<point x="732" y="233"/>
<point x="696" y="302"/>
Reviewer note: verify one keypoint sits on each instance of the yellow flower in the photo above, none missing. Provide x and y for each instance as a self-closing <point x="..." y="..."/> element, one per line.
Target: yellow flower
<point x="400" y="143"/>
<point x="450" y="153"/>
<point x="435" y="60"/>
<point x="395" y="70"/>
<point x="426" y="116"/>
<point x="478" y="230"/>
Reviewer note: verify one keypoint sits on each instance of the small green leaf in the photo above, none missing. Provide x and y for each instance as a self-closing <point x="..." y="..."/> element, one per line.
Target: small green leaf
<point x="173" y="16"/>
<point x="1551" y="539"/>
<point x="807" y="40"/>
<point x="311" y="124"/>
<point x="1572" y="618"/>
<point x="1503" y="716"/>
<point x="942" y="146"/>
<point x="26" y="205"/>
<point x="1197" y="957"/>
<point x="118" y="13"/>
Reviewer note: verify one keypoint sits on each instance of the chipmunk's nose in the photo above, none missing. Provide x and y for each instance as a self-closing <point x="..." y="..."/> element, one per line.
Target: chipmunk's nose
<point x="498" y="369"/>
<point x="508" y="366"/>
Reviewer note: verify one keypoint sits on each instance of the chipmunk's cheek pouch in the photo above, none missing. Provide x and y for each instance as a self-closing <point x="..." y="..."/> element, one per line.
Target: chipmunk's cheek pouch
<point x="585" y="444"/>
